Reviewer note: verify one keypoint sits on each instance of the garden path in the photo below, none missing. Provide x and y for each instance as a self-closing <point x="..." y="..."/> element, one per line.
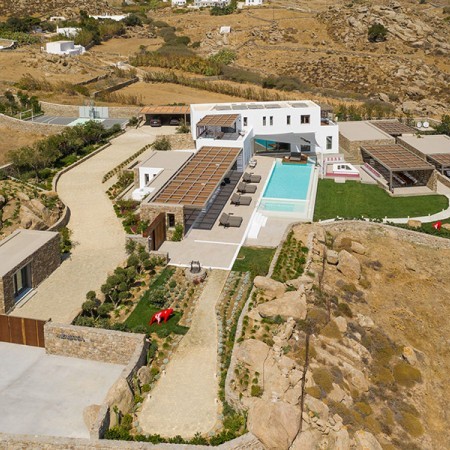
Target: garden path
<point x="98" y="235"/>
<point x="184" y="400"/>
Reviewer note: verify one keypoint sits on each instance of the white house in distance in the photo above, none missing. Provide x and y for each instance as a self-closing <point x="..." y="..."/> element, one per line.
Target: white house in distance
<point x="208" y="3"/>
<point x="253" y="2"/>
<point x="265" y="128"/>
<point x="115" y="17"/>
<point x="64" y="48"/>
<point x="69" y="32"/>
<point x="178" y="2"/>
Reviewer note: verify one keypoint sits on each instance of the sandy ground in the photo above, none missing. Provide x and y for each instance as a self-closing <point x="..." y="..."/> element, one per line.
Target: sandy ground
<point x="184" y="400"/>
<point x="164" y="94"/>
<point x="98" y="235"/>
<point x="12" y="139"/>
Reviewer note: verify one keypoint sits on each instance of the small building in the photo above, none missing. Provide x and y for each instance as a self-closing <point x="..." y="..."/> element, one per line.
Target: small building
<point x="165" y="114"/>
<point x="253" y="2"/>
<point x="64" y="48"/>
<point x="27" y="257"/>
<point x="115" y="17"/>
<point x="209" y="3"/>
<point x="68" y="32"/>
<point x="178" y="2"/>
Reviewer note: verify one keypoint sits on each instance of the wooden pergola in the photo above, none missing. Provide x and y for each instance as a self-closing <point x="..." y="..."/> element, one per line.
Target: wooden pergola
<point x="440" y="160"/>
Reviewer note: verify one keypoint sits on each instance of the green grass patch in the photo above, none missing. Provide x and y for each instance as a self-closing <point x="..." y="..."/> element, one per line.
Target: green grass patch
<point x="254" y="260"/>
<point x="353" y="199"/>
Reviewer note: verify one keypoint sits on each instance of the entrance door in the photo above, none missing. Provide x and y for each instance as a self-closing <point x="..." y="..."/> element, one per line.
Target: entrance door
<point x="22" y="281"/>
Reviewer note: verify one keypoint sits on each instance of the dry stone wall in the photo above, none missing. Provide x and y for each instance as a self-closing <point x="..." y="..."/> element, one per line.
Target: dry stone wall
<point x="353" y="148"/>
<point x="108" y="346"/>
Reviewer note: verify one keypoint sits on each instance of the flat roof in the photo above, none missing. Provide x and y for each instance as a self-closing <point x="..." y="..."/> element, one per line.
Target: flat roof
<point x="443" y="159"/>
<point x="198" y="179"/>
<point x="166" y="110"/>
<point x="16" y="247"/>
<point x="428" y="144"/>
<point x="396" y="158"/>
<point x="242" y="106"/>
<point x="362" y="130"/>
<point x="393" y="127"/>
<point x="219" y="120"/>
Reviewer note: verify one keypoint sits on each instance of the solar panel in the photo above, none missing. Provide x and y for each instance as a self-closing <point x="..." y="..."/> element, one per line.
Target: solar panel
<point x="272" y="105"/>
<point x="299" y="105"/>
<point x="222" y="107"/>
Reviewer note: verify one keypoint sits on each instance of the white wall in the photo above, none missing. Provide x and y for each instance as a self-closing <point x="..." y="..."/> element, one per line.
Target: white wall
<point x="152" y="173"/>
<point x="253" y="2"/>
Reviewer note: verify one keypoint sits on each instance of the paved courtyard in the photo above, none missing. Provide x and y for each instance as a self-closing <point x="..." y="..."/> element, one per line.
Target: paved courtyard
<point x="44" y="394"/>
<point x="98" y="235"/>
<point x="184" y="400"/>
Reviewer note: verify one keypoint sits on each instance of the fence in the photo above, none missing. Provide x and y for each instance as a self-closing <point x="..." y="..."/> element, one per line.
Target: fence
<point x="18" y="330"/>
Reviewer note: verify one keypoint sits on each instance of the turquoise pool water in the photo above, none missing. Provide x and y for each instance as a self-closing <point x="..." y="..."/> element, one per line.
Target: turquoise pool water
<point x="289" y="181"/>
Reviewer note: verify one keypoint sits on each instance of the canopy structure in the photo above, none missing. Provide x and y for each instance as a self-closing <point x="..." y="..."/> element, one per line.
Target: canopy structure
<point x="199" y="178"/>
<point x="440" y="160"/>
<point x="393" y="127"/>
<point x="397" y="164"/>
<point x="218" y="120"/>
<point x="166" y="113"/>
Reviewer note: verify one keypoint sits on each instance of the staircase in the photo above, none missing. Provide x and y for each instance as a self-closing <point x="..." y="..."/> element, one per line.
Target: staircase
<point x="259" y="220"/>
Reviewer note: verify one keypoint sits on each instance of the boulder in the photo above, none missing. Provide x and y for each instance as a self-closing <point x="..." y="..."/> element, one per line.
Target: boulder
<point x="270" y="287"/>
<point x="446" y="226"/>
<point x="340" y="440"/>
<point x="310" y="439"/>
<point x="365" y="322"/>
<point x="349" y="265"/>
<point x="90" y="415"/>
<point x="29" y="220"/>
<point x="293" y="395"/>
<point x="358" y="248"/>
<point x="39" y="208"/>
<point x="22" y="196"/>
<point x="317" y="407"/>
<point x="144" y="375"/>
<point x="332" y="257"/>
<point x="2" y="201"/>
<point x="341" y="323"/>
<point x="253" y="354"/>
<point x="275" y="382"/>
<point x="275" y="424"/>
<point x="292" y="304"/>
<point x="366" y="441"/>
<point x="357" y="379"/>
<point x="120" y="395"/>
<point x="409" y="354"/>
<point x="414" y="223"/>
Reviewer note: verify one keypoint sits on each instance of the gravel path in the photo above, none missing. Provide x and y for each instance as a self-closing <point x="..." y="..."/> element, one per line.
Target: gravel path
<point x="98" y="235"/>
<point x="184" y="401"/>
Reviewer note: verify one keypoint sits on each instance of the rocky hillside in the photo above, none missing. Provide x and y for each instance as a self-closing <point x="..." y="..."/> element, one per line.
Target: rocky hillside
<point x="352" y="354"/>
<point x="24" y="207"/>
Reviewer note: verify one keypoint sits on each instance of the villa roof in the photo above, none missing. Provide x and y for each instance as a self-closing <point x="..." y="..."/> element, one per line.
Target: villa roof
<point x="443" y="159"/>
<point x="219" y="120"/>
<point x="396" y="158"/>
<point x="393" y="127"/>
<point x="198" y="179"/>
<point x="154" y="110"/>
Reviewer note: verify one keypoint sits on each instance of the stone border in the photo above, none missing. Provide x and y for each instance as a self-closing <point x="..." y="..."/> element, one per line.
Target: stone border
<point x="28" y="442"/>
<point x="62" y="221"/>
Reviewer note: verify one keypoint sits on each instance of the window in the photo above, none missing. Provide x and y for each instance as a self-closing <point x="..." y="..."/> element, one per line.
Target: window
<point x="245" y="121"/>
<point x="329" y="142"/>
<point x="305" y="148"/>
<point x="304" y="119"/>
<point x="271" y="120"/>
<point x="264" y="121"/>
<point x="146" y="179"/>
<point x="288" y="120"/>
<point x="21" y="281"/>
<point x="171" y="220"/>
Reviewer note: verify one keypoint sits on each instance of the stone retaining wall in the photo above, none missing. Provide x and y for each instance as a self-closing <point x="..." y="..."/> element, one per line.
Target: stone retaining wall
<point x="353" y="148"/>
<point x="115" y="112"/>
<point x="27" y="126"/>
<point x="114" y="347"/>
<point x="62" y="221"/>
<point x="28" y="442"/>
<point x="116" y="87"/>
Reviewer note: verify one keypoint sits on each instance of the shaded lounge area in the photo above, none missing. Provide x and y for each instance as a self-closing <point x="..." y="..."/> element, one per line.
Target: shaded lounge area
<point x="398" y="166"/>
<point x="441" y="161"/>
<point x="224" y="126"/>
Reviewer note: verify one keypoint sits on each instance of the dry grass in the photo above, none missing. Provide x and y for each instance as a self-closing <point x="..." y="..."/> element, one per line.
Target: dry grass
<point x="13" y="139"/>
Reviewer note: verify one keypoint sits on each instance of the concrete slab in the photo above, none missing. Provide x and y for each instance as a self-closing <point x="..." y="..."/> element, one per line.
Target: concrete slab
<point x="44" y="394"/>
<point x="59" y="120"/>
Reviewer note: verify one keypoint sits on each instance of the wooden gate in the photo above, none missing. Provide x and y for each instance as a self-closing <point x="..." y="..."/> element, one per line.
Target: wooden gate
<point x="156" y="232"/>
<point x="18" y="330"/>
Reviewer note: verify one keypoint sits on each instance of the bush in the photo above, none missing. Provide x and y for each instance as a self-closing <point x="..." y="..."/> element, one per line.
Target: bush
<point x="331" y="330"/>
<point x="377" y="33"/>
<point x="162" y="144"/>
<point x="345" y="310"/>
<point x="406" y="375"/>
<point x="323" y="378"/>
<point x="411" y="424"/>
<point x="178" y="233"/>
<point x="256" y="390"/>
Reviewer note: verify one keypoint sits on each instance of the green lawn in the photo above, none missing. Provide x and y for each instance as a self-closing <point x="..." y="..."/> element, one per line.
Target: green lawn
<point x="144" y="310"/>
<point x="354" y="199"/>
<point x="254" y="260"/>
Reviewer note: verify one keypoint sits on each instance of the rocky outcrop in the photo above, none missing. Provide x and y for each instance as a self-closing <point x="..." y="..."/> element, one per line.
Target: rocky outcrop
<point x="270" y="287"/>
<point x="253" y="354"/>
<point x="349" y="265"/>
<point x="291" y="304"/>
<point x="120" y="395"/>
<point x="275" y="424"/>
<point x="366" y="441"/>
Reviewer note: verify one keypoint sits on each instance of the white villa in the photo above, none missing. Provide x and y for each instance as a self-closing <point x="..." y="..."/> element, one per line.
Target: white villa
<point x="115" y="17"/>
<point x="265" y="128"/>
<point x="208" y="3"/>
<point x="253" y="2"/>
<point x="69" y="32"/>
<point x="178" y="2"/>
<point x="64" y="48"/>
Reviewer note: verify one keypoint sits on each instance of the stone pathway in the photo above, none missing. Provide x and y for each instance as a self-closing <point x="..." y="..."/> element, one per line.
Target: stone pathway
<point x="98" y="235"/>
<point x="184" y="400"/>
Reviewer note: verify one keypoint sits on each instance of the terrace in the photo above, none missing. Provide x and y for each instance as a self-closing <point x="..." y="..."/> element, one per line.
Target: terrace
<point x="224" y="127"/>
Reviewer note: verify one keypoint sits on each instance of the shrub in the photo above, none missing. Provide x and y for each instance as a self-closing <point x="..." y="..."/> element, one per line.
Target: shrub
<point x="345" y="309"/>
<point x="411" y="424"/>
<point x="314" y="391"/>
<point x="256" y="391"/>
<point x="406" y="375"/>
<point x="162" y="144"/>
<point x="377" y="33"/>
<point x="331" y="330"/>
<point x="323" y="378"/>
<point x="178" y="233"/>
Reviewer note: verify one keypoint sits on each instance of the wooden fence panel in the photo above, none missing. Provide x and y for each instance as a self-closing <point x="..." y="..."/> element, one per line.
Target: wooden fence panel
<point x="19" y="330"/>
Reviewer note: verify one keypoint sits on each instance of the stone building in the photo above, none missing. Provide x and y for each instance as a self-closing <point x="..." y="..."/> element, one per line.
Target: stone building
<point x="27" y="257"/>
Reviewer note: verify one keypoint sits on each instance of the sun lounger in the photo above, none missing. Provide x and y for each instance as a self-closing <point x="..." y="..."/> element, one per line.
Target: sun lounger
<point x="252" y="163"/>
<point x="246" y="188"/>
<point x="237" y="199"/>
<point x="250" y="178"/>
<point x="228" y="220"/>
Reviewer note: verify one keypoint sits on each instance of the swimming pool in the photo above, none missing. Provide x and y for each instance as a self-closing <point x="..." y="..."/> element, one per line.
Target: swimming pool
<point x="288" y="190"/>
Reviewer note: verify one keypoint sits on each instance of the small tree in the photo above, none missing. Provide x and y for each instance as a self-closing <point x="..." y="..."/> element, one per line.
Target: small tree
<point x="162" y="144"/>
<point x="377" y="33"/>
